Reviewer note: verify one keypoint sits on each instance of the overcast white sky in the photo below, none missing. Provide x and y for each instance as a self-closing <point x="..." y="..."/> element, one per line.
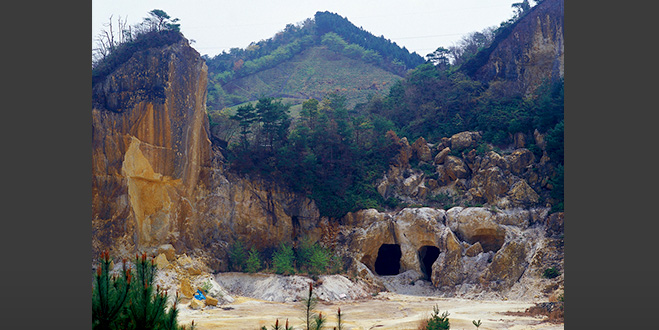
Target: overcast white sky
<point x="419" y="25"/>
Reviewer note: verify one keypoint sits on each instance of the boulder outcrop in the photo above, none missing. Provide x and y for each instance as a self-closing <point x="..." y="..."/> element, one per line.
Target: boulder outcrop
<point x="491" y="249"/>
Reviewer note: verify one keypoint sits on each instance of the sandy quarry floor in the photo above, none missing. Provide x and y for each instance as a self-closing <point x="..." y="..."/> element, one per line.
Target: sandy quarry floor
<point x="385" y="311"/>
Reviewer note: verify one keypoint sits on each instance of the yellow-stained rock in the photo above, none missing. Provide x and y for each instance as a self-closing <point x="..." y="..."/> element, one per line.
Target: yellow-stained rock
<point x="477" y="224"/>
<point x="465" y="140"/>
<point x="210" y="301"/>
<point x="474" y="250"/>
<point x="520" y="159"/>
<point x="186" y="288"/>
<point x="508" y="263"/>
<point x="521" y="193"/>
<point x="168" y="250"/>
<point x="421" y="150"/>
<point x="197" y="304"/>
<point x="161" y="261"/>
<point x="452" y="243"/>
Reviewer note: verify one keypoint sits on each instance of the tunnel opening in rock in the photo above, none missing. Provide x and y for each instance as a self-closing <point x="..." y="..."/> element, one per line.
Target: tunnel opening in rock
<point x="388" y="260"/>
<point x="427" y="256"/>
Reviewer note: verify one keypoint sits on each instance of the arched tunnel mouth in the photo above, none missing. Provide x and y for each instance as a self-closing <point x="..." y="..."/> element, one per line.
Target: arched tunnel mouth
<point x="427" y="256"/>
<point x="388" y="260"/>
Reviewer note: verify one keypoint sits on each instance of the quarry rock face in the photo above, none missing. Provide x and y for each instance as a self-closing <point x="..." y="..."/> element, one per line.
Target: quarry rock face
<point x="157" y="179"/>
<point x="540" y="56"/>
<point x="150" y="145"/>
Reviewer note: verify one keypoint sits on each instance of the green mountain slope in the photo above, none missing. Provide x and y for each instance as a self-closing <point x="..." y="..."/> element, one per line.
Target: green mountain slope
<point x="314" y="73"/>
<point x="321" y="55"/>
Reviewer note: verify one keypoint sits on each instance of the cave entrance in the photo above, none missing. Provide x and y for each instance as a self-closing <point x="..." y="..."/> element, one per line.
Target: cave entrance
<point x="388" y="260"/>
<point x="427" y="256"/>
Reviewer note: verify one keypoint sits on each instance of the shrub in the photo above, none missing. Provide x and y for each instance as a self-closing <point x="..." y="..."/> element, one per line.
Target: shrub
<point x="320" y="260"/>
<point x="551" y="273"/>
<point x="304" y="251"/>
<point x="147" y="307"/>
<point x="253" y="263"/>
<point x="237" y="256"/>
<point x="436" y="321"/>
<point x="282" y="260"/>
<point x="392" y="202"/>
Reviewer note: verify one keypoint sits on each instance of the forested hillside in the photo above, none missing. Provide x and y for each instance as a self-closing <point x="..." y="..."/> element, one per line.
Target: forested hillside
<point x="336" y="153"/>
<point x="328" y="31"/>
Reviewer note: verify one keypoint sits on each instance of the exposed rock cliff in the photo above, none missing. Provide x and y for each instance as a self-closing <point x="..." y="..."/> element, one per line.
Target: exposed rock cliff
<point x="532" y="52"/>
<point x="157" y="179"/>
<point x="150" y="145"/>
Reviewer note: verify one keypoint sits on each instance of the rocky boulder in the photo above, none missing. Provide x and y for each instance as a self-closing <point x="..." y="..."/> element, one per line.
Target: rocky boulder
<point x="465" y="140"/>
<point x="441" y="156"/>
<point x="448" y="270"/>
<point x="520" y="160"/>
<point x="489" y="184"/>
<point x="477" y="224"/>
<point x="455" y="168"/>
<point x="508" y="264"/>
<point x="521" y="194"/>
<point x="421" y="150"/>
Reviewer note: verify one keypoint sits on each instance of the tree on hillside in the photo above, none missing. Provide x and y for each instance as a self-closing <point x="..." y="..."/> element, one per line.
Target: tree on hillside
<point x="439" y="57"/>
<point x="245" y="116"/>
<point x="470" y="45"/>
<point x="275" y="120"/>
<point x="521" y="7"/>
<point x="125" y="39"/>
<point x="158" y="20"/>
<point x="309" y="113"/>
<point x="110" y="38"/>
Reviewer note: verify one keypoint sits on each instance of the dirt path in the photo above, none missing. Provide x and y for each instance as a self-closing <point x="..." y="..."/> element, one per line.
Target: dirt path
<point x="386" y="311"/>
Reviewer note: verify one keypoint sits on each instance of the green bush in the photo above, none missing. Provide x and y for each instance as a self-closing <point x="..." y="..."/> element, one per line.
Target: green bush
<point x="551" y="273"/>
<point x="438" y="322"/>
<point x="304" y="251"/>
<point x="313" y="258"/>
<point x="237" y="256"/>
<point x="253" y="263"/>
<point x="320" y="260"/>
<point x="282" y="260"/>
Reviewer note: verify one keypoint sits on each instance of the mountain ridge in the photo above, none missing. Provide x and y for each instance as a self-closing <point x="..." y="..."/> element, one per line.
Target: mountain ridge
<point x="326" y="29"/>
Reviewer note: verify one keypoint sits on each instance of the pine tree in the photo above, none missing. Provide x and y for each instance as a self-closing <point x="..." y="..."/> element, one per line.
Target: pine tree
<point x="147" y="307"/>
<point x="109" y="294"/>
<point x="309" y="304"/>
<point x="131" y="301"/>
<point x="438" y="322"/>
<point x="246" y="116"/>
<point x="253" y="263"/>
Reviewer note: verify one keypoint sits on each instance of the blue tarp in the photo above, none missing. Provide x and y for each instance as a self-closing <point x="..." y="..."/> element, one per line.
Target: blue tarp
<point x="199" y="295"/>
